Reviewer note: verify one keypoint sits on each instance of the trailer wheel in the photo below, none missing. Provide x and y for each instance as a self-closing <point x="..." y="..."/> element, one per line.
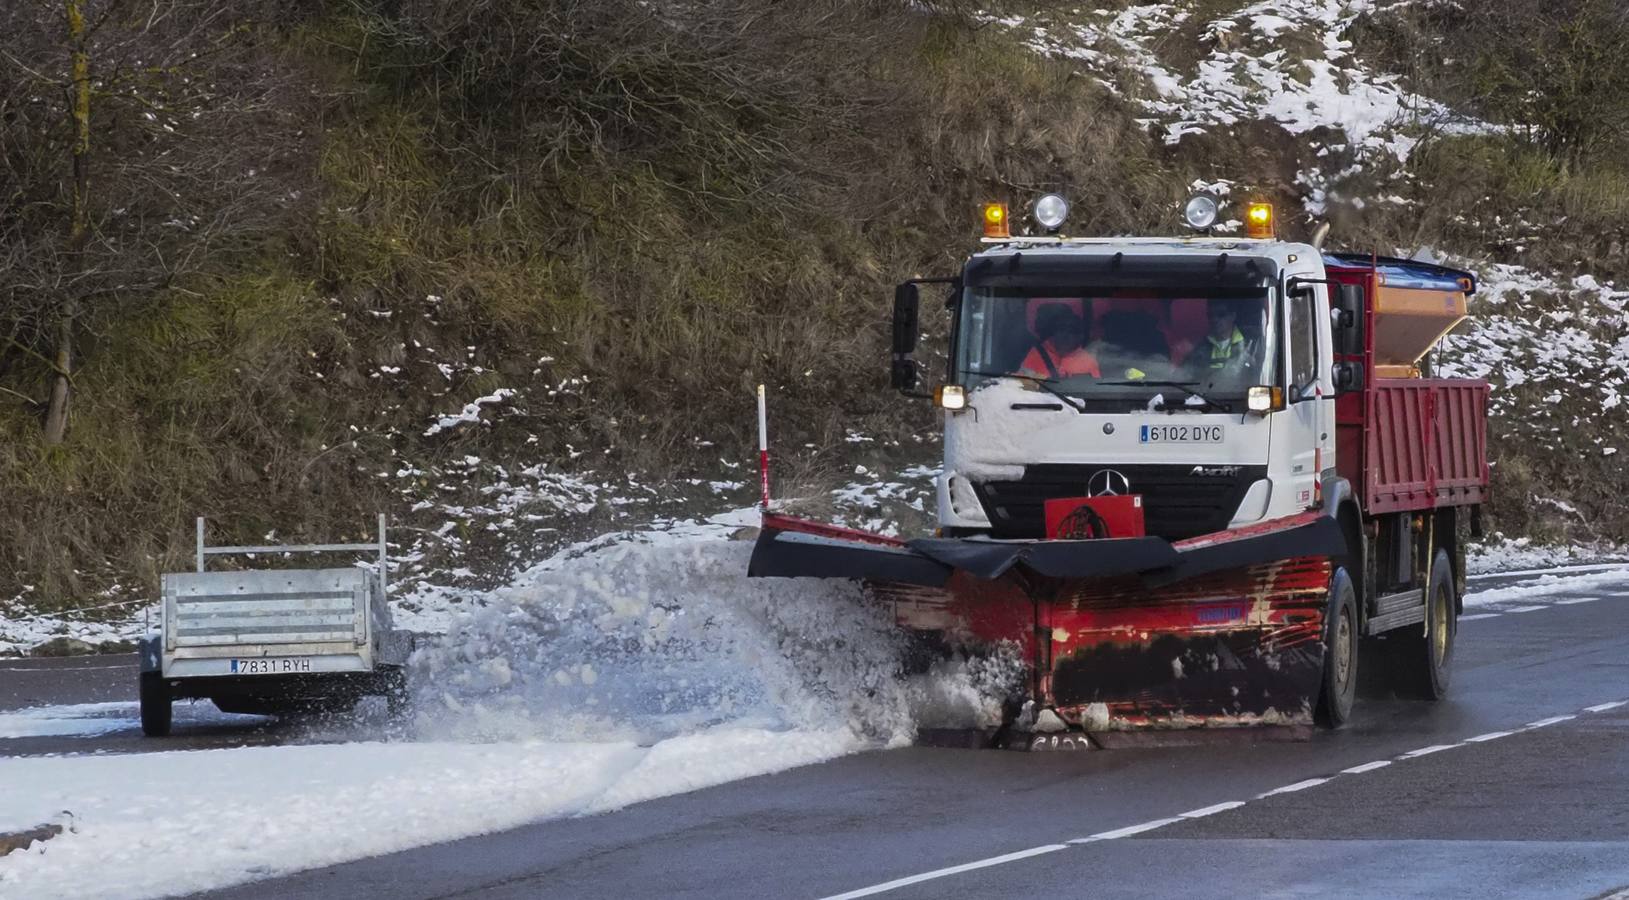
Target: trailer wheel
<point x="1339" y="690"/>
<point x="398" y="701"/>
<point x="1424" y="656"/>
<point x="156" y="705"/>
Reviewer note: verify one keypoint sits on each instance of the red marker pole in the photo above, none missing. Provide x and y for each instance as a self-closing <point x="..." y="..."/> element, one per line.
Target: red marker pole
<point x="763" y="448"/>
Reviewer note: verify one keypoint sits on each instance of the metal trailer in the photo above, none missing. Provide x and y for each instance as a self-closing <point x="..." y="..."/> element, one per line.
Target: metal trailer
<point x="273" y="641"/>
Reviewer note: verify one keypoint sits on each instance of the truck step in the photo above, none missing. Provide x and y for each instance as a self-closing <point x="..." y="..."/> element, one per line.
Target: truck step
<point x="1397" y="610"/>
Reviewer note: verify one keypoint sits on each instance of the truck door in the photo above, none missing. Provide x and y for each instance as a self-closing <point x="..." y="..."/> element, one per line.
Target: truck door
<point x="1306" y="335"/>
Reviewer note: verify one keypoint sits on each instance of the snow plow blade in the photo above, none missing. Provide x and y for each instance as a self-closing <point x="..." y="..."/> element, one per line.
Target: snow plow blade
<point x="1120" y="634"/>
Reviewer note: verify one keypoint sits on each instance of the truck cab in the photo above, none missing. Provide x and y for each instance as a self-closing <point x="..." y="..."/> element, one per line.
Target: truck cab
<point x="1199" y="376"/>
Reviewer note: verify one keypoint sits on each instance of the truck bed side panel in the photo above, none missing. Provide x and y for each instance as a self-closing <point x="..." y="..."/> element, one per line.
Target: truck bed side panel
<point x="1425" y="443"/>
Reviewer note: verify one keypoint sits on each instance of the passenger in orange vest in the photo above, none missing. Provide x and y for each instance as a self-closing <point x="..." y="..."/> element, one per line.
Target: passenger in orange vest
<point x="1061" y="351"/>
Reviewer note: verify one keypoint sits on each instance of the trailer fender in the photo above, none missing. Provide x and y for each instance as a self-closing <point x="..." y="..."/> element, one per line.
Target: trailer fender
<point x="151" y="650"/>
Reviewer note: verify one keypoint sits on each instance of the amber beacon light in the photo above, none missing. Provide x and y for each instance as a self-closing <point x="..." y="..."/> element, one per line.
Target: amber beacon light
<point x="1258" y="220"/>
<point x="995" y="220"/>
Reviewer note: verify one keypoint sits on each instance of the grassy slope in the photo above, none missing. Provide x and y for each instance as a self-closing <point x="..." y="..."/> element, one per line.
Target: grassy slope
<point x="441" y="265"/>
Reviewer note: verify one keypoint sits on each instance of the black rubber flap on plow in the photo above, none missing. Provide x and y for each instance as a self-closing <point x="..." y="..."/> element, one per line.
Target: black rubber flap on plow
<point x="930" y="561"/>
<point x="1321" y="537"/>
<point x="791" y="554"/>
<point x="1103" y="558"/>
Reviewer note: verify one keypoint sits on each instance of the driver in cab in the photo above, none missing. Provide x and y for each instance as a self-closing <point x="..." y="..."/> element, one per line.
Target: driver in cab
<point x="1060" y="349"/>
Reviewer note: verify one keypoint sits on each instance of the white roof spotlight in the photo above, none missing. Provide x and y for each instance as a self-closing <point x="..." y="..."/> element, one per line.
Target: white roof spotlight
<point x="1200" y="213"/>
<point x="1050" y="211"/>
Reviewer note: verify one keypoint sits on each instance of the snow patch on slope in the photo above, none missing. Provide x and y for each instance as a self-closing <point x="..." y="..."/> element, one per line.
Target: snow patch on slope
<point x="1244" y="71"/>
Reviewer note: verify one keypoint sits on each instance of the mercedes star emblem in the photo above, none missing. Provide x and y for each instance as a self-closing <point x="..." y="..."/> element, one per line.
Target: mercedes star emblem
<point x="1108" y="483"/>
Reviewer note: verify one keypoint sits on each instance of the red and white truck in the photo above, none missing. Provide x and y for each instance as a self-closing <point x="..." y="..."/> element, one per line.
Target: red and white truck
<point x="1186" y="476"/>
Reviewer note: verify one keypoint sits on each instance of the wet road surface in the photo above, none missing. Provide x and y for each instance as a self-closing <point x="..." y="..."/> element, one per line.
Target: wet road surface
<point x="1518" y="785"/>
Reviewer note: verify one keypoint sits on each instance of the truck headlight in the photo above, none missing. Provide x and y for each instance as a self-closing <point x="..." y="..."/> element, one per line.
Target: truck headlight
<point x="1264" y="399"/>
<point x="952" y="397"/>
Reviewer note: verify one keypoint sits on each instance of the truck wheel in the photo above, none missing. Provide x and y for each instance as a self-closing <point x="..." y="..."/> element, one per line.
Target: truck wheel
<point x="1422" y="661"/>
<point x="1339" y="689"/>
<point x="156" y="705"/>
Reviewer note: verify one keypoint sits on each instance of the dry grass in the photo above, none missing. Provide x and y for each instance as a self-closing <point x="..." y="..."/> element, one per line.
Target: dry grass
<point x="679" y="213"/>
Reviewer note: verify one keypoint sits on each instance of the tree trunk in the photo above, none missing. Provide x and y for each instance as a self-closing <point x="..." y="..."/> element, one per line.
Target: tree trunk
<point x="56" y="416"/>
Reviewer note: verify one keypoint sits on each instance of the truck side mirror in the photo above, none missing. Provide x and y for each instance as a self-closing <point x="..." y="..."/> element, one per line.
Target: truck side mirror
<point x="907" y="331"/>
<point x="1347" y="318"/>
<point x="1348" y="377"/>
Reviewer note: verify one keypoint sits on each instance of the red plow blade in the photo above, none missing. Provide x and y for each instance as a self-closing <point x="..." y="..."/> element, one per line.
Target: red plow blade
<point x="1121" y="635"/>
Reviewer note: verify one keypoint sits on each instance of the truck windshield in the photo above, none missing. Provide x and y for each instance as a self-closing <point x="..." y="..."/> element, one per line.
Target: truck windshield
<point x="1117" y="344"/>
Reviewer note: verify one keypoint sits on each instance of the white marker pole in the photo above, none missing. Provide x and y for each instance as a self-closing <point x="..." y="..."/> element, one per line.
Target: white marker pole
<point x="763" y="448"/>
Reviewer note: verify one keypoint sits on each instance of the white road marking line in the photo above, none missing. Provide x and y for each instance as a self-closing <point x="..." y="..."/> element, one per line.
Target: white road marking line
<point x="953" y="870"/>
<point x="1478" y="616"/>
<point x="1424" y="751"/>
<point x="1212" y="810"/>
<point x="1517" y="609"/>
<point x="1292" y="788"/>
<point x="1142" y="827"/>
<point x="1127" y="831"/>
<point x="1577" y="600"/>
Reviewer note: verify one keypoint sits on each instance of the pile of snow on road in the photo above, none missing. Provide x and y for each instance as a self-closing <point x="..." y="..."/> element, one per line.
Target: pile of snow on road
<point x="630" y="673"/>
<point x="645" y="643"/>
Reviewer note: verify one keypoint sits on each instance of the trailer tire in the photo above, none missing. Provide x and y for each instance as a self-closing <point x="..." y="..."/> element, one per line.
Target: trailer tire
<point x="1424" y="657"/>
<point x="1338" y="692"/>
<point x="156" y="705"/>
<point x="398" y="701"/>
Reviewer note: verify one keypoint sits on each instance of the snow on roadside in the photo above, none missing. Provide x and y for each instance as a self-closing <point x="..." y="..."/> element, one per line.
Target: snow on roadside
<point x="21" y="629"/>
<point x="627" y="673"/>
<point x="1548" y="586"/>
<point x="172" y="823"/>
<point x="1522" y="554"/>
<point x="89" y="719"/>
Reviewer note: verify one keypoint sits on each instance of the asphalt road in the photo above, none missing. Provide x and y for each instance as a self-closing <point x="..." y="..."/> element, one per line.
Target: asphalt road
<point x="1535" y="806"/>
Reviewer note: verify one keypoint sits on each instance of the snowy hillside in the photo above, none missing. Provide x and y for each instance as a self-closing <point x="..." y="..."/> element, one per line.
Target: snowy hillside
<point x="1192" y="69"/>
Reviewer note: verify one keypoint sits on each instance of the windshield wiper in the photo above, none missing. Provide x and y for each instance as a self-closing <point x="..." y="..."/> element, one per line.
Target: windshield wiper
<point x="1180" y="385"/>
<point x="1044" y="383"/>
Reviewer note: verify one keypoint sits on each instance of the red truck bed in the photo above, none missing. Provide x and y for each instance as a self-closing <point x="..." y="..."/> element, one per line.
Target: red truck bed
<point x="1415" y="443"/>
<point x="1409" y="444"/>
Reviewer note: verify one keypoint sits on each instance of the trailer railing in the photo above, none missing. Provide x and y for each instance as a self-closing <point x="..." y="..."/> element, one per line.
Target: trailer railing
<point x="204" y="551"/>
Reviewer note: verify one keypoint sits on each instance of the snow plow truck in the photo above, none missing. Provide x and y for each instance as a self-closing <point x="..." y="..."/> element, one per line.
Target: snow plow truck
<point x="1188" y="478"/>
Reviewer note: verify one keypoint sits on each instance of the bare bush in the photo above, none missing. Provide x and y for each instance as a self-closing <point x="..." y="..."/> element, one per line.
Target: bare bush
<point x="141" y="144"/>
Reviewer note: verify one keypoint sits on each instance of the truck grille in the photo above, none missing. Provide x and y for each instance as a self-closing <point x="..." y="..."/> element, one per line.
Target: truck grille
<point x="1177" y="502"/>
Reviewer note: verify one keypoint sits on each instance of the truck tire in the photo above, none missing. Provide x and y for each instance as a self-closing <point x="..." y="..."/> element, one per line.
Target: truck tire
<point x="1338" y="692"/>
<point x="156" y="705"/>
<point x="1424" y="657"/>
